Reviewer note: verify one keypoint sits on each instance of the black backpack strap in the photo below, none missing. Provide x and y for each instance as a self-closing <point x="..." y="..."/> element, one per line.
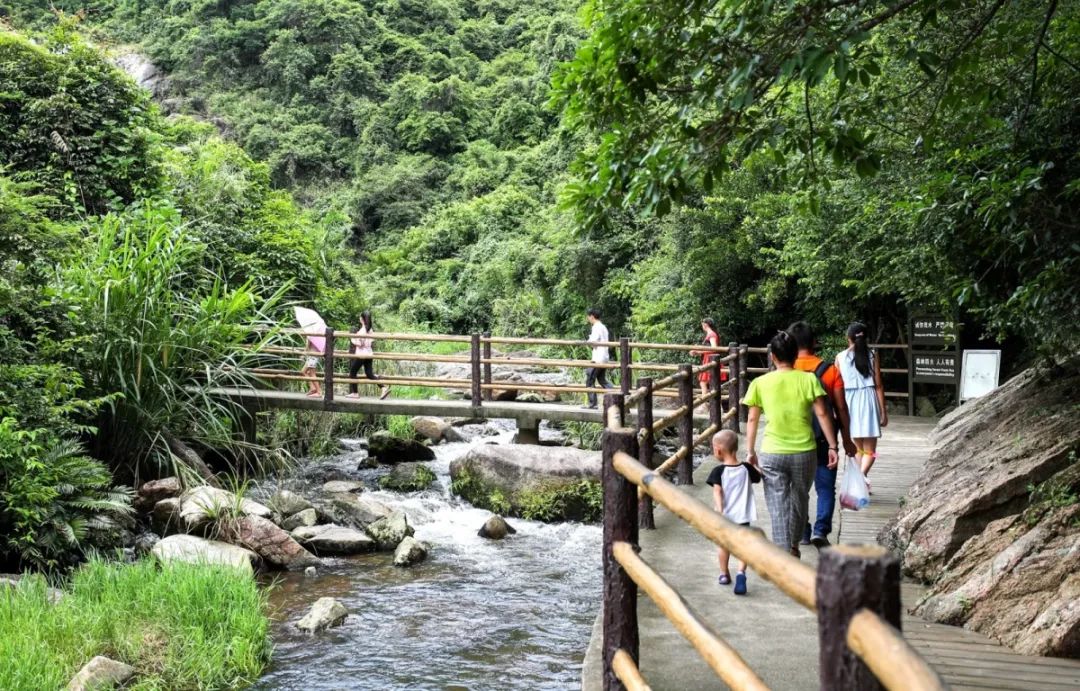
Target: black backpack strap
<point x="822" y="368"/>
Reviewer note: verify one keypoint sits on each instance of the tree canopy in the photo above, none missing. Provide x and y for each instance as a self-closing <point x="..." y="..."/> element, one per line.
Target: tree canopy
<point x="931" y="143"/>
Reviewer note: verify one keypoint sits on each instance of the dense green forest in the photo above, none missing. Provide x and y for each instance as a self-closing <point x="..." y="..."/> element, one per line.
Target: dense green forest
<point x="466" y="164"/>
<point x="927" y="162"/>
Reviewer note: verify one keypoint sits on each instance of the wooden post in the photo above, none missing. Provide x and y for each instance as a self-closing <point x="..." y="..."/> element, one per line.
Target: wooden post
<point x="733" y="389"/>
<point x="716" y="404"/>
<point x="474" y="379"/>
<point x="744" y="380"/>
<point x="620" y="525"/>
<point x="488" y="393"/>
<point x="624" y="365"/>
<point x="645" y="450"/>
<point x="851" y="578"/>
<point x="328" y="367"/>
<point x="686" y="425"/>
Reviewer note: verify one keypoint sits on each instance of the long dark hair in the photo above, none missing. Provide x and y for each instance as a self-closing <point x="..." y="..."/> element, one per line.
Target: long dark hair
<point x="707" y="321"/>
<point x="856" y="333"/>
<point x="365" y="320"/>
<point x="783" y="348"/>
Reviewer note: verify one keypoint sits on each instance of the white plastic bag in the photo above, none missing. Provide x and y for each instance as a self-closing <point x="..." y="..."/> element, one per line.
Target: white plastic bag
<point x="854" y="494"/>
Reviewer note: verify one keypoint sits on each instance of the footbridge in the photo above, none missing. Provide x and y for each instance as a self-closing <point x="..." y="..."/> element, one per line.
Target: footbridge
<point x="478" y="375"/>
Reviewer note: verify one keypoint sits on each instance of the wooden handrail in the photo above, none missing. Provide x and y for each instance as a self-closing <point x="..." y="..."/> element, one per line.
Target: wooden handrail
<point x="788" y="573"/>
<point x="639" y="345"/>
<point x="665" y="422"/>
<point x="392" y="355"/>
<point x="892" y="659"/>
<point x="377" y="336"/>
<point x="548" y="363"/>
<point x="628" y="672"/>
<point x="724" y="660"/>
<point x="510" y="340"/>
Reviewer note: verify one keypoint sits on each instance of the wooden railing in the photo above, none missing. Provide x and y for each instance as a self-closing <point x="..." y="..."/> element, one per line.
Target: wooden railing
<point x="855" y="590"/>
<point x="477" y="353"/>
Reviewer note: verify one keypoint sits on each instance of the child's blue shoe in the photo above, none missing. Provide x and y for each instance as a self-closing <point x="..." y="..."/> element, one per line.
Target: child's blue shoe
<point x="724" y="579"/>
<point x="740" y="583"/>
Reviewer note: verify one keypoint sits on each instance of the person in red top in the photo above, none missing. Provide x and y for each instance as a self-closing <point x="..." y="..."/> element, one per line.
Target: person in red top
<point x="712" y="339"/>
<point x="824" y="478"/>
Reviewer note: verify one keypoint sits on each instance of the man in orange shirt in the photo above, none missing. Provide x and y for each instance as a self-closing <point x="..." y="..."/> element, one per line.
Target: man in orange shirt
<point x="824" y="478"/>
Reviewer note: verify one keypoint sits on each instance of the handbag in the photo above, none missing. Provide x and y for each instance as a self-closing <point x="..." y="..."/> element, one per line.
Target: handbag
<point x="854" y="494"/>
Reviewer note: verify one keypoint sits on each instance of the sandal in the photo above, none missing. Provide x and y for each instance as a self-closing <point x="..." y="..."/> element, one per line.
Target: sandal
<point x="724" y="579"/>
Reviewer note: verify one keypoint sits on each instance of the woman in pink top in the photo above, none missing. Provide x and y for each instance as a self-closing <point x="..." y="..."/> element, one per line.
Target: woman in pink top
<point x="362" y="355"/>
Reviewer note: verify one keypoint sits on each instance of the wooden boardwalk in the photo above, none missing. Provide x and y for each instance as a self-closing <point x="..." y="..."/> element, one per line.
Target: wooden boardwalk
<point x="778" y="637"/>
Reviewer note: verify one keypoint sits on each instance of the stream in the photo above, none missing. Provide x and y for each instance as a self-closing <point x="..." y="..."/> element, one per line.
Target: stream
<point x="478" y="614"/>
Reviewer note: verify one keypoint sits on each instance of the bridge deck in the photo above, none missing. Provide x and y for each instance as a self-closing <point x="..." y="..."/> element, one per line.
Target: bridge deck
<point x="778" y="637"/>
<point x="461" y="408"/>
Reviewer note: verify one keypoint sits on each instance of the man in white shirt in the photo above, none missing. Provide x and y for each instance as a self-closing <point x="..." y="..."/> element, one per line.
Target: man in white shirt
<point x="600" y="353"/>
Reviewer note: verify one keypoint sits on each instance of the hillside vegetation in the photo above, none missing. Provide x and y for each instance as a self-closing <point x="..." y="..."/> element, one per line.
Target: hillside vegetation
<point x="468" y="164"/>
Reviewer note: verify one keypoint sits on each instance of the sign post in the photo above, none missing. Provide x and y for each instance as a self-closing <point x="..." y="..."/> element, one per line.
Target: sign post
<point x="929" y="365"/>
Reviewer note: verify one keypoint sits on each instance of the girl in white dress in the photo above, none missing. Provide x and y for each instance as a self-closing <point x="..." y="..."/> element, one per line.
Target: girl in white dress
<point x="864" y="394"/>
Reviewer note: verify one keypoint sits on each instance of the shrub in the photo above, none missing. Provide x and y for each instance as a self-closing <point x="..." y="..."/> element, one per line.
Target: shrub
<point x="158" y="337"/>
<point x="55" y="502"/>
<point x="181" y="626"/>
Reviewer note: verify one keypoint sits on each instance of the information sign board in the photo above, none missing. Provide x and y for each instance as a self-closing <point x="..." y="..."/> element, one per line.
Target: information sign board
<point x="933" y="330"/>
<point x="930" y="367"/>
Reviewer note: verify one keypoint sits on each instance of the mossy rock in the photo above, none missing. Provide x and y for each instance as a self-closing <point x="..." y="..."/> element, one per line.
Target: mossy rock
<point x="536" y="483"/>
<point x="408" y="477"/>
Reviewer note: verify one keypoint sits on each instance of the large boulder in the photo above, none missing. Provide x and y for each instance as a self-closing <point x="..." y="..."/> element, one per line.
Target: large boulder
<point x="325" y="613"/>
<point x="535" y="482"/>
<point x="334" y="539"/>
<point x="203" y="505"/>
<point x="410" y="551"/>
<point x="99" y="674"/>
<point x="196" y="550"/>
<point x="354" y="510"/>
<point x="270" y="542"/>
<point x="386" y="448"/>
<point x="285" y="503"/>
<point x="307" y="517"/>
<point x="343" y="487"/>
<point x="433" y="429"/>
<point x="993" y="521"/>
<point x="150" y="493"/>
<point x="388" y="532"/>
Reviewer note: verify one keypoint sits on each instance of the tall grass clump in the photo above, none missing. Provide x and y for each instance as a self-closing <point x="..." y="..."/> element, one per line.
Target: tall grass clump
<point x="161" y="329"/>
<point x="181" y="626"/>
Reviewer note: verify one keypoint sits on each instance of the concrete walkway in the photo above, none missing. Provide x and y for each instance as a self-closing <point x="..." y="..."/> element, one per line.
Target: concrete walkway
<point x="777" y="637"/>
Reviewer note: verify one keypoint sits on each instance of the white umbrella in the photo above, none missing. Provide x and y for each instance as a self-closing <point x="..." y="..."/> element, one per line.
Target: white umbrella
<point x="312" y="323"/>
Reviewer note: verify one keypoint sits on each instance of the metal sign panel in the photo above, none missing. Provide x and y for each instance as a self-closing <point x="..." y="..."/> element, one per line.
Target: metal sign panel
<point x="979" y="373"/>
<point x="933" y="329"/>
<point x="929" y="367"/>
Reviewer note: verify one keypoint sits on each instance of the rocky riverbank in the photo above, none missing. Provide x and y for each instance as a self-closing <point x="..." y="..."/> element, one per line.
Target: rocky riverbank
<point x="993" y="523"/>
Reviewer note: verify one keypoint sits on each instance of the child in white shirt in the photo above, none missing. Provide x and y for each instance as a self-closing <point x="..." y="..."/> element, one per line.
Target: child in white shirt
<point x="733" y="496"/>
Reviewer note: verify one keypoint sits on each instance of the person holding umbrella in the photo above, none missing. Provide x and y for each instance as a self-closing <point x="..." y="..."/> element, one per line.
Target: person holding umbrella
<point x="314" y="328"/>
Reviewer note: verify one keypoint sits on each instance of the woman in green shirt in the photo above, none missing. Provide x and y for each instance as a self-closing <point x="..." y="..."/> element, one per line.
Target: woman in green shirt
<point x="788" y="451"/>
